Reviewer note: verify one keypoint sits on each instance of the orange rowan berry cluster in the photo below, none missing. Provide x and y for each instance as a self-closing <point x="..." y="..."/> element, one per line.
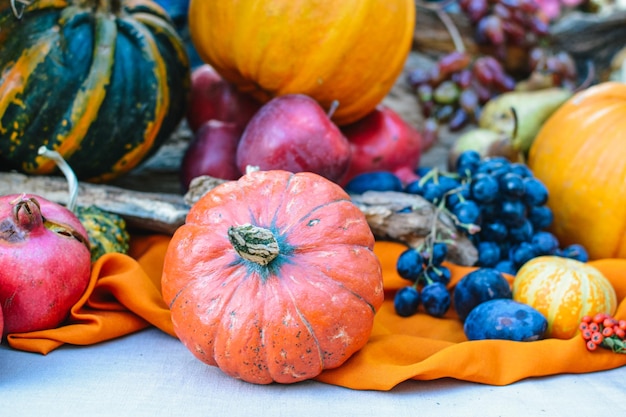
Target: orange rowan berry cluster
<point x="602" y="330"/>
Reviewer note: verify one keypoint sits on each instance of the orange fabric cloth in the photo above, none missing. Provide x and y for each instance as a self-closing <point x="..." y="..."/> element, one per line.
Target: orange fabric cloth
<point x="124" y="296"/>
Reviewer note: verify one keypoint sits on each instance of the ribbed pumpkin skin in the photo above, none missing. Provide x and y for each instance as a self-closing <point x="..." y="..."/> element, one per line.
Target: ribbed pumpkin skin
<point x="580" y="155"/>
<point x="308" y="310"/>
<point x="563" y="290"/>
<point x="103" y="89"/>
<point x="346" y="50"/>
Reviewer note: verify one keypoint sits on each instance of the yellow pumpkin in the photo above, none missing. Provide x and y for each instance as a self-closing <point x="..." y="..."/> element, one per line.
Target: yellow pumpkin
<point x="579" y="154"/>
<point x="563" y="290"/>
<point x="351" y="51"/>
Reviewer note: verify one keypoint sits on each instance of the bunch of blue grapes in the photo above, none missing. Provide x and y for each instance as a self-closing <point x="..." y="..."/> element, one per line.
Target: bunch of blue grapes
<point x="498" y="204"/>
<point x="501" y="207"/>
<point x="429" y="279"/>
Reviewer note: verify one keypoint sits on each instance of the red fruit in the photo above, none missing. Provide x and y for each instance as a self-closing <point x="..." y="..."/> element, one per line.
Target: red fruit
<point x="212" y="97"/>
<point x="293" y="133"/>
<point x="45" y="262"/>
<point x="212" y="152"/>
<point x="383" y="141"/>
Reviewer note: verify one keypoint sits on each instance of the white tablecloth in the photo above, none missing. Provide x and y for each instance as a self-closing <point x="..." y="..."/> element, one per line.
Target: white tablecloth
<point x="152" y="374"/>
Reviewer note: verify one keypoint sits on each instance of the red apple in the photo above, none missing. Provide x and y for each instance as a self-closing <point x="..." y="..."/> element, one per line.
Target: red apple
<point x="211" y="152"/>
<point x="383" y="141"/>
<point x="212" y="97"/>
<point x="293" y="133"/>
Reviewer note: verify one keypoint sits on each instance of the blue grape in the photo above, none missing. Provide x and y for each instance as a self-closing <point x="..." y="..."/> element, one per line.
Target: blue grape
<point x="494" y="166"/>
<point x="422" y="171"/>
<point x="545" y="243"/>
<point x="374" y="181"/>
<point x="506" y="266"/>
<point x="495" y="231"/>
<point x="536" y="194"/>
<point x="488" y="254"/>
<point x="512" y="213"/>
<point x="467" y="212"/>
<point x="462" y="193"/>
<point x="521" y="169"/>
<point x="522" y="253"/>
<point x="484" y="188"/>
<point x="512" y="185"/>
<point x="406" y="301"/>
<point x="574" y="251"/>
<point x="438" y="253"/>
<point x="439" y="274"/>
<point x="540" y="216"/>
<point x="436" y="299"/>
<point x="522" y="233"/>
<point x="427" y="189"/>
<point x="410" y="264"/>
<point x="490" y="211"/>
<point x="467" y="163"/>
<point x="432" y="192"/>
<point x="447" y="183"/>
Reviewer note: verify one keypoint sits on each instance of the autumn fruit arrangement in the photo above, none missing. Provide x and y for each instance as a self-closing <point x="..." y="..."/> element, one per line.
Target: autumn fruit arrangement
<point x="496" y="198"/>
<point x="273" y="276"/>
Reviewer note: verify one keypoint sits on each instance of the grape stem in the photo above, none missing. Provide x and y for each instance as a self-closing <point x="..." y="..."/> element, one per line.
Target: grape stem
<point x="453" y="31"/>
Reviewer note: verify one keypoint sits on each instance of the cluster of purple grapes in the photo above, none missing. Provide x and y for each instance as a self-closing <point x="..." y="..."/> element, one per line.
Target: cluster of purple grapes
<point x="503" y="23"/>
<point x="551" y="69"/>
<point x="455" y="88"/>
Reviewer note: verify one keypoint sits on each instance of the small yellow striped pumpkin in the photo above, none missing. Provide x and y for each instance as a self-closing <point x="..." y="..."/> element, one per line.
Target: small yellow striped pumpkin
<point x="563" y="290"/>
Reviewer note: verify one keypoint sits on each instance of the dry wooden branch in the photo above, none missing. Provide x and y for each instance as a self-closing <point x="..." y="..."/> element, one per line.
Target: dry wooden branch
<point x="164" y="213"/>
<point x="385" y="216"/>
<point x="155" y="212"/>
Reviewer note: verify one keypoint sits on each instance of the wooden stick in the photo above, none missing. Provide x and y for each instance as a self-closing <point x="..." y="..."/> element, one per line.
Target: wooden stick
<point x="155" y="212"/>
<point x="164" y="213"/>
<point x="387" y="219"/>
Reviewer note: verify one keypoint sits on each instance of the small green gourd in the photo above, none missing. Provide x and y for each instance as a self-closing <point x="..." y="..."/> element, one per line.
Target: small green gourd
<point x="107" y="231"/>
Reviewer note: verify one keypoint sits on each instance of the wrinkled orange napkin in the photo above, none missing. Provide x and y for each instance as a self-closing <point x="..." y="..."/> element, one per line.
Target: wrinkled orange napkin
<point x="124" y="296"/>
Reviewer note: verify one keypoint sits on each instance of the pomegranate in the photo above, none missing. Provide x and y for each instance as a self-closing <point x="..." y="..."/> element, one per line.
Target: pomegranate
<point x="45" y="262"/>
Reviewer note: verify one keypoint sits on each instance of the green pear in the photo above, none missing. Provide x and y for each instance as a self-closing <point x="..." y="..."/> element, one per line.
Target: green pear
<point x="486" y="142"/>
<point x="520" y="114"/>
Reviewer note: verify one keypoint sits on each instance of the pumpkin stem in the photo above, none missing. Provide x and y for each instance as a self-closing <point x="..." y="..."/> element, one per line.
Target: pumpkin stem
<point x="18" y="12"/>
<point x="72" y="181"/>
<point x="253" y="243"/>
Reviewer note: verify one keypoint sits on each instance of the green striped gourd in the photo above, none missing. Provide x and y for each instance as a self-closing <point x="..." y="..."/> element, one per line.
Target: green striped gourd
<point x="102" y="82"/>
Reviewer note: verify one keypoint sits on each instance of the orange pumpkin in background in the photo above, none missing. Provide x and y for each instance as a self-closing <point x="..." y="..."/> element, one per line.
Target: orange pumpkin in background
<point x="351" y="51"/>
<point x="580" y="156"/>
<point x="563" y="290"/>
<point x="273" y="277"/>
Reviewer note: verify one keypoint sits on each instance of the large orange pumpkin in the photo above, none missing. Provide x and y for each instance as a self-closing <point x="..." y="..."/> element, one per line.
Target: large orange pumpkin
<point x="580" y="155"/>
<point x="351" y="51"/>
<point x="273" y="277"/>
<point x="563" y="290"/>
